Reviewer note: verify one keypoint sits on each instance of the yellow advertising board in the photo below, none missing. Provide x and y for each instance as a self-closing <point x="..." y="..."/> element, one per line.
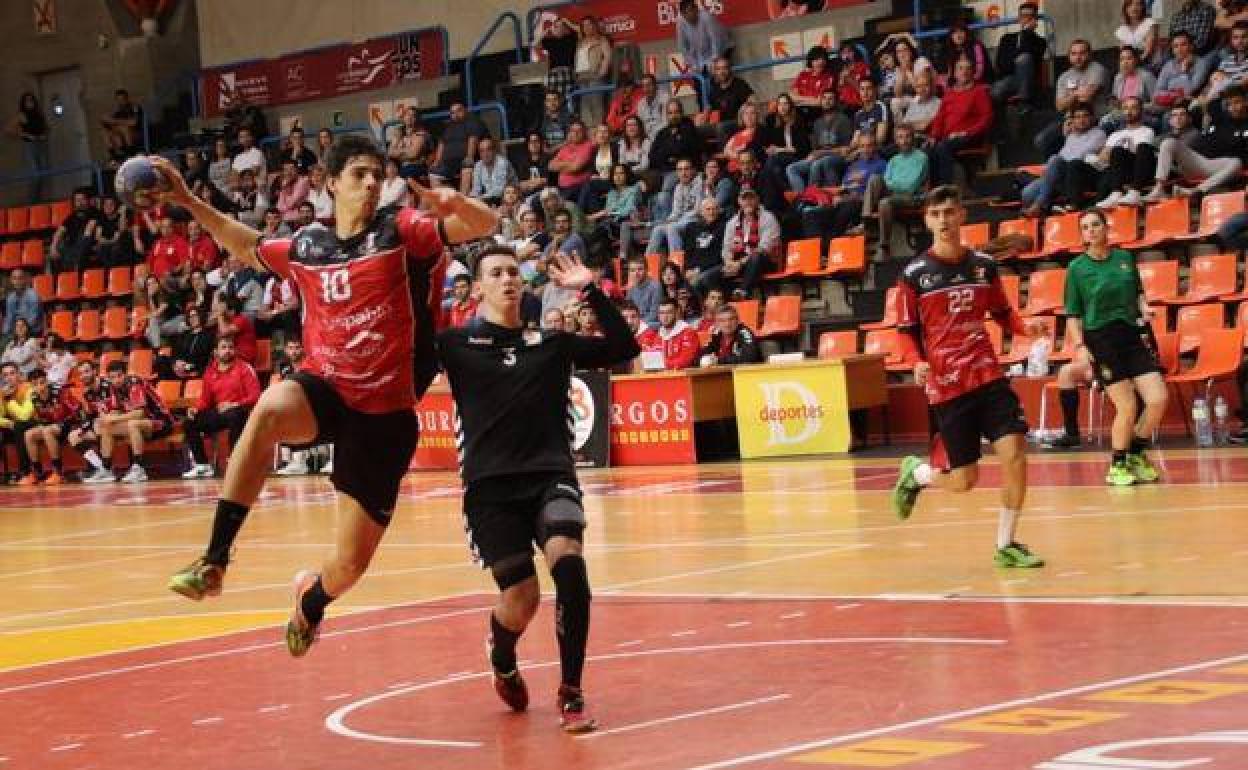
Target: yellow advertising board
<point x="798" y="409"/>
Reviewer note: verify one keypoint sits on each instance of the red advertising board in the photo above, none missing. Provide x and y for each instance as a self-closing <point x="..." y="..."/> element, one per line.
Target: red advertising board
<point x="325" y="72"/>
<point x="652" y="421"/>
<point x="644" y="21"/>
<point x="436" y="416"/>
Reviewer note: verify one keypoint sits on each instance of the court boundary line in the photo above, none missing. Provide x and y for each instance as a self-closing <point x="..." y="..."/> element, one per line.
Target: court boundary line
<point x="1114" y="601"/>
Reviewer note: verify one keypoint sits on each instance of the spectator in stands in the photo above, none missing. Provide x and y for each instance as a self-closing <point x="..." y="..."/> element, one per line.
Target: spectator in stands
<point x="624" y="102"/>
<point x="1067" y="172"/>
<point x="748" y="136"/>
<point x="830" y="135"/>
<point x="231" y="389"/>
<point x="293" y="189"/>
<point x="55" y="360"/>
<point x="593" y="59"/>
<point x="199" y="294"/>
<point x="192" y="350"/>
<point x="963" y="121"/>
<point x="1130" y="158"/>
<point x="249" y="201"/>
<point x="905" y="179"/>
<point x="274" y="226"/>
<point x="324" y="141"/>
<point x="602" y="161"/>
<point x="1131" y="82"/>
<point x="22" y="302"/>
<point x="872" y="116"/>
<point x="909" y="65"/>
<point x="555" y="120"/>
<point x="196" y="174"/>
<point x="676" y="140"/>
<point x="677" y="339"/>
<point x="749" y="173"/>
<point x="1183" y="76"/>
<point x="751" y="242"/>
<point x="533" y="166"/>
<point x="295" y="150"/>
<point x="219" y="170"/>
<point x="121" y="129"/>
<point x="1139" y="31"/>
<point x="205" y="255"/>
<point x="250" y="158"/>
<point x="727" y="93"/>
<point x="133" y="410"/>
<point x="278" y="316"/>
<point x="71" y="241"/>
<point x="233" y="323"/>
<point x="17" y="415"/>
<point x="530" y="241"/>
<point x="394" y="189"/>
<point x="30" y="125"/>
<point x="711" y="304"/>
<point x="559" y="42"/>
<point x="563" y="240"/>
<point x="165" y="318"/>
<point x="109" y="225"/>
<point x="960" y="44"/>
<point x="813" y="82"/>
<point x="920" y="110"/>
<point x="306" y="215"/>
<point x="785" y="139"/>
<point x="457" y="150"/>
<point x="22" y="349"/>
<point x="633" y="147"/>
<point x="622" y="205"/>
<point x="1215" y="157"/>
<point x="652" y="107"/>
<point x="319" y="195"/>
<point x="1086" y="82"/>
<point x="170" y="256"/>
<point x="412" y="146"/>
<point x="1196" y="19"/>
<point x="700" y="38"/>
<point x="642" y="290"/>
<point x="860" y="190"/>
<point x="1233" y="60"/>
<point x="552" y="319"/>
<point x="587" y="322"/>
<point x="573" y="162"/>
<point x="1019" y="55"/>
<point x="463" y="307"/>
<point x="852" y="72"/>
<point x="1229" y="12"/>
<point x="718" y="185"/>
<point x="732" y="342"/>
<point x="552" y="203"/>
<point x="671" y="282"/>
<point x="240" y="282"/>
<point x="704" y="245"/>
<point x="675" y="210"/>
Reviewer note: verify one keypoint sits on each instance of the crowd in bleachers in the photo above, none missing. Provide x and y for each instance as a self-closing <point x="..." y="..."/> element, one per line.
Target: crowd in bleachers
<point x="688" y="208"/>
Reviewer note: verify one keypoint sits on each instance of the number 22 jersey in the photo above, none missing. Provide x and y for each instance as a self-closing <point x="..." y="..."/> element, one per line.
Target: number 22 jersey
<point x="369" y="305"/>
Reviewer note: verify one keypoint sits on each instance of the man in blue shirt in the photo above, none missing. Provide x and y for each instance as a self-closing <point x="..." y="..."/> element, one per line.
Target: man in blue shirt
<point x="22" y="302"/>
<point x="700" y="37"/>
<point x="833" y="221"/>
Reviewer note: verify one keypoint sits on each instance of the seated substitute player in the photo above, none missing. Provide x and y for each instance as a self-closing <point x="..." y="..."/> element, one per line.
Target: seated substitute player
<point x="50" y="411"/>
<point x="371" y="289"/>
<point x="134" y="411"/>
<point x="943" y="297"/>
<point x="510" y="387"/>
<point x="79" y="429"/>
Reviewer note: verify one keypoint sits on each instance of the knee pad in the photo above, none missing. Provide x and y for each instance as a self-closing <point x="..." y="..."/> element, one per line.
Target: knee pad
<point x="571" y="579"/>
<point x="512" y="570"/>
<point x="562" y="514"/>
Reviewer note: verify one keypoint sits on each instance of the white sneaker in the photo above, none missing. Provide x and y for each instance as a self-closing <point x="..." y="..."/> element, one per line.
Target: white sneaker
<point x="328" y="468"/>
<point x="1157" y="195"/>
<point x="1132" y="198"/>
<point x="198" y="471"/>
<point x="293" y="469"/>
<point x="1113" y="200"/>
<point x="99" y="476"/>
<point x="135" y="475"/>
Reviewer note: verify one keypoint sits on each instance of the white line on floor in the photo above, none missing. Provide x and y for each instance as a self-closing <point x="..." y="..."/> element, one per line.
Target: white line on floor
<point x="138" y="733"/>
<point x="689" y="715"/>
<point x="208" y="721"/>
<point x="65" y="747"/>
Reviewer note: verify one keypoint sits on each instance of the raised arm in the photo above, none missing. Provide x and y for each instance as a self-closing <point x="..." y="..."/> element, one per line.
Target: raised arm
<point x="236" y="237"/>
<point x="617" y="343"/>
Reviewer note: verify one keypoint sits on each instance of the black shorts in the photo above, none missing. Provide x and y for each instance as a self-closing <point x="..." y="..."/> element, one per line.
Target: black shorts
<point x="990" y="411"/>
<point x="502" y="515"/>
<point x="372" y="452"/>
<point x="160" y="429"/>
<point x="1119" y="353"/>
<point x="69" y="426"/>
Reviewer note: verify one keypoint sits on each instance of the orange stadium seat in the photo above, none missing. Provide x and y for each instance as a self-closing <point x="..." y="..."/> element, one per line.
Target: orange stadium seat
<point x="1221" y="351"/>
<point x="1061" y="235"/>
<point x="264" y="355"/>
<point x="1166" y="221"/>
<point x="10" y="256"/>
<point x="170" y="391"/>
<point x="846" y="256"/>
<point x="802" y="257"/>
<point x="1124" y="224"/>
<point x="1215" y="210"/>
<point x="109" y="357"/>
<point x="67" y="287"/>
<point x="40" y="218"/>
<point x="838" y="344"/>
<point x="1027" y="227"/>
<point x="884" y="341"/>
<point x="119" y="282"/>
<point x="1020" y="344"/>
<point x="60" y="210"/>
<point x="1194" y="319"/>
<point x="116" y="323"/>
<point x="88" y="325"/>
<point x="890" y="313"/>
<point x="142" y="362"/>
<point x="1010" y="285"/>
<point x="191" y="390"/>
<point x="62" y="324"/>
<point x="1209" y="277"/>
<point x="977" y="235"/>
<point x="138" y="320"/>
<point x="1168" y="352"/>
<point x="1045" y="292"/>
<point x="1160" y="280"/>
<point x="93" y="283"/>
<point x="45" y="286"/>
<point x="782" y="316"/>
<point x="18" y="220"/>
<point x="32" y="255"/>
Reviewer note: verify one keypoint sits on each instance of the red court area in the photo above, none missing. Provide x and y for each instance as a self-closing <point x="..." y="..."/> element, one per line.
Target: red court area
<point x="675" y="682"/>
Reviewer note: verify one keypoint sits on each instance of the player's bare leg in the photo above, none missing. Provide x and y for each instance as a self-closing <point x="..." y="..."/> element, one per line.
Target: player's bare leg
<point x="1152" y="391"/>
<point x="282" y="415"/>
<point x="136" y="432"/>
<point x="1011" y="452"/>
<point x="572" y="600"/>
<point x="1121" y="432"/>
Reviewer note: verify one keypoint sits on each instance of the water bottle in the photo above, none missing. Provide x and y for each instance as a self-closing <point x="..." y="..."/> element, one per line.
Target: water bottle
<point x="1201" y="422"/>
<point x="1038" y="358"/>
<point x="1220" y="413"/>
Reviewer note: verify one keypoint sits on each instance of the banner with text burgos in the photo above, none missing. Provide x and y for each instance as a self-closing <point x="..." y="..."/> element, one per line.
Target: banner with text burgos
<point x="436" y="416"/>
<point x="652" y="421"/>
<point x="783" y="411"/>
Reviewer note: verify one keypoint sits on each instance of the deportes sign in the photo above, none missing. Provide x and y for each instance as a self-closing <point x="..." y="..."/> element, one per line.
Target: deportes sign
<point x="652" y="421"/>
<point x="325" y="72"/>
<point x="791" y="410"/>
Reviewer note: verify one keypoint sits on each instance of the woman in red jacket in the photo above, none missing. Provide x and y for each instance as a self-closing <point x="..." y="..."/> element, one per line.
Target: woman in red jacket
<point x="963" y="120"/>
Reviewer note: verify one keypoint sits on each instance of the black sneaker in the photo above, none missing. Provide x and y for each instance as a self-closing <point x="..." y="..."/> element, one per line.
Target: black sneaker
<point x="510" y="686"/>
<point x="1065" y="441"/>
<point x="1239" y="438"/>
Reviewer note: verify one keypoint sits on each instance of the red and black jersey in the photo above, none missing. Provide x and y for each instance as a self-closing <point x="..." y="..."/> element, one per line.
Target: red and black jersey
<point x="370" y="305"/>
<point x="137" y="393"/>
<point x="56" y="407"/>
<point x="90" y="403"/>
<point x="942" y="306"/>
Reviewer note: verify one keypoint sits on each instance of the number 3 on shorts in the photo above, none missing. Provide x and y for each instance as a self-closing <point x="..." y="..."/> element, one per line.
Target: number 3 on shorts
<point x="336" y="285"/>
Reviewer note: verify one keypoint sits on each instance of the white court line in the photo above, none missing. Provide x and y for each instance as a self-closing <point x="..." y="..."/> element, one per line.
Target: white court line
<point x="937" y="719"/>
<point x="739" y="565"/>
<point x="138" y="733"/>
<point x="107" y="530"/>
<point x="271" y="709"/>
<point x="689" y="715"/>
<point x="795" y="597"/>
<point x="737" y="624"/>
<point x="208" y="721"/>
<point x="65" y="747"/>
<point x="79" y="565"/>
<point x="338" y="696"/>
<point x="678" y="634"/>
<point x="792" y="615"/>
<point x="630" y="643"/>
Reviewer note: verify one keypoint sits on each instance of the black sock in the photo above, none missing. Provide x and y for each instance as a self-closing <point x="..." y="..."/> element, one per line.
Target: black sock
<point x="37" y="467"/>
<point x="225" y="526"/>
<point x="136" y="458"/>
<point x="1120" y="456"/>
<point x="56" y="465"/>
<point x="1069" y="399"/>
<point x="572" y="598"/>
<point x="314" y="602"/>
<point x="502" y="646"/>
<point x="1138" y="445"/>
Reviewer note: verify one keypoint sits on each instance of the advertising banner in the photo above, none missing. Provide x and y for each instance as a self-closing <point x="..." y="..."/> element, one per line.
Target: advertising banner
<point x="324" y="72"/>
<point x="652" y="421"/>
<point x="590" y="396"/>
<point x="436" y="417"/>
<point x="785" y="411"/>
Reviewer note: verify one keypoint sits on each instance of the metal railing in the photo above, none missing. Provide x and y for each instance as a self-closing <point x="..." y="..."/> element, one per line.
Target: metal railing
<point x="1044" y="18"/>
<point x="97" y="173"/>
<point x="489" y="34"/>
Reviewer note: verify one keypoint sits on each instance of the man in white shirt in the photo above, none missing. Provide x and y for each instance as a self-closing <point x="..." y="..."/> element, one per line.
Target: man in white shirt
<point x="250" y="157"/>
<point x="1130" y="155"/>
<point x="652" y="108"/>
<point x="1086" y="82"/>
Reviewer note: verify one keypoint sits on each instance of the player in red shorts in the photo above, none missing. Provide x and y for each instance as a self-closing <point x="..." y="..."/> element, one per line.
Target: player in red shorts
<point x="371" y="291"/>
<point x="943" y="297"/>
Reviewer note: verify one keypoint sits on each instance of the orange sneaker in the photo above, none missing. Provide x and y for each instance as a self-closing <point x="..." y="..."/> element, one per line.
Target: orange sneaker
<point x="53" y="479"/>
<point x="29" y="480"/>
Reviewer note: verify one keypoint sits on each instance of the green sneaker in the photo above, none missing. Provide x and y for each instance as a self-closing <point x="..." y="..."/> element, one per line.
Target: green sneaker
<point x="1142" y="468"/>
<point x="1017" y="555"/>
<point x="1120" y="475"/>
<point x="300" y="634"/>
<point x="906" y="490"/>
<point x="197" y="580"/>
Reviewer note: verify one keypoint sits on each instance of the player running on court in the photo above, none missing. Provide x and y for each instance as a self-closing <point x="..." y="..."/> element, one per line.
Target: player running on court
<point x="510" y="387"/>
<point x="943" y="296"/>
<point x="1105" y="308"/>
<point x="368" y="287"/>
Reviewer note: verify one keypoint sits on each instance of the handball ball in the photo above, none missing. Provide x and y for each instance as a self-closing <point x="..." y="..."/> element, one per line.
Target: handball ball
<point x="136" y="182"/>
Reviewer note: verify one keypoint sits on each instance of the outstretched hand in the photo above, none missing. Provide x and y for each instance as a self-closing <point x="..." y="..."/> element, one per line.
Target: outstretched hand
<point x="569" y="272"/>
<point x="178" y="193"/>
<point x="441" y="201"/>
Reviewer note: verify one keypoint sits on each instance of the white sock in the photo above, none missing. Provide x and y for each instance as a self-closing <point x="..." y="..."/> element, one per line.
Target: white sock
<point x="94" y="458"/>
<point x="923" y="474"/>
<point x="1007" y="521"/>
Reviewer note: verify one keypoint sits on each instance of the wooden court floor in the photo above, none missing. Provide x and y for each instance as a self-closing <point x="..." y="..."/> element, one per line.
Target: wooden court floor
<point x="754" y="614"/>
